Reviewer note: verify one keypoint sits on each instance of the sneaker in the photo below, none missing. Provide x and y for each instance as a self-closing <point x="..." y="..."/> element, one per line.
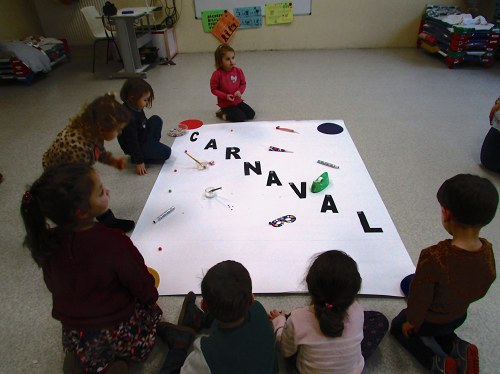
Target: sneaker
<point x="192" y="316"/>
<point x="467" y="356"/>
<point x="220" y="114"/>
<point x="108" y="219"/>
<point x="444" y="365"/>
<point x="176" y="336"/>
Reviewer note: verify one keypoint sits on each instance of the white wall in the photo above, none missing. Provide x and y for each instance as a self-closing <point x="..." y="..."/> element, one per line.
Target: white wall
<point x="333" y="24"/>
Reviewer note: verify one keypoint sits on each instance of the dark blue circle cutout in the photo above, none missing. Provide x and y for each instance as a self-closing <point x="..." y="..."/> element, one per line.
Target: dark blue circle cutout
<point x="330" y="128"/>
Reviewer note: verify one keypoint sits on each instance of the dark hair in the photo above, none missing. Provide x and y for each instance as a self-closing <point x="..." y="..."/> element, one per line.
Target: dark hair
<point x="471" y="199"/>
<point x="227" y="290"/>
<point x="219" y="54"/>
<point x="134" y="88"/>
<point x="333" y="282"/>
<point x="55" y="196"/>
<point x="102" y="114"/>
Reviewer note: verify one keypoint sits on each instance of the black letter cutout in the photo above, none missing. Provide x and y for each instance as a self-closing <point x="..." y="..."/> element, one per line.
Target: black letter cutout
<point x="232" y="151"/>
<point x="211" y="144"/>
<point x="193" y="138"/>
<point x="256" y="169"/>
<point x="302" y="192"/>
<point x="366" y="225"/>
<point x="273" y="178"/>
<point x="328" y="204"/>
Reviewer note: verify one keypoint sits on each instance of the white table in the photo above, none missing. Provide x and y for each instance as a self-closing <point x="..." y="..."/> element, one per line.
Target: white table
<point x="129" y="43"/>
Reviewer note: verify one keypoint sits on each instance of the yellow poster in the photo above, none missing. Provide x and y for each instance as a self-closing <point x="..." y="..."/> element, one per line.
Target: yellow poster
<point x="277" y="13"/>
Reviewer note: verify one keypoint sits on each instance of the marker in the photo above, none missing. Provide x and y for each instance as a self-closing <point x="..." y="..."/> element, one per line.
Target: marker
<point x="164" y="214"/>
<point x="127" y="11"/>
<point x="328" y="164"/>
<point x="285" y="129"/>
<point x="276" y="149"/>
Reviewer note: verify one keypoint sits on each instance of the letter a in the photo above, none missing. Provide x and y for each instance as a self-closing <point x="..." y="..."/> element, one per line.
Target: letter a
<point x="328" y="204"/>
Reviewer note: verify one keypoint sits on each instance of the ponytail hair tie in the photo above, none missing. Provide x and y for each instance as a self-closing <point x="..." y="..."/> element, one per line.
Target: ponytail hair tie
<point x="27" y="197"/>
<point x="328" y="306"/>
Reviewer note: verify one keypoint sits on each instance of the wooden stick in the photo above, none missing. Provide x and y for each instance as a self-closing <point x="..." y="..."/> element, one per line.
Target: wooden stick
<point x="285" y="129"/>
<point x="198" y="162"/>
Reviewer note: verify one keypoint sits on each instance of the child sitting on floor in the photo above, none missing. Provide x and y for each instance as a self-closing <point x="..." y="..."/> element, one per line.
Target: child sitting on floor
<point x="333" y="334"/>
<point x="228" y="83"/>
<point x="241" y="338"/>
<point x="101" y="289"/>
<point x="141" y="137"/>
<point x="449" y="277"/>
<point x="83" y="141"/>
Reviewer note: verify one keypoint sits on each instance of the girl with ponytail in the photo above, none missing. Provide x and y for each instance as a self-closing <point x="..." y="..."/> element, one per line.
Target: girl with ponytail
<point x="332" y="334"/>
<point x="101" y="289"/>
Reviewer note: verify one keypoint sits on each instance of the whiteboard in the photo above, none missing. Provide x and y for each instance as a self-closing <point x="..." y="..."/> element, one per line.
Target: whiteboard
<point x="300" y="7"/>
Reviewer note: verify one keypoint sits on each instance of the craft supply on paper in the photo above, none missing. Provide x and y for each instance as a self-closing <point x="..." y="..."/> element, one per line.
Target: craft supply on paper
<point x="328" y="164"/>
<point x="200" y="164"/>
<point x="278" y="222"/>
<point x="164" y="214"/>
<point x="286" y="129"/>
<point x="211" y="191"/>
<point x="276" y="149"/>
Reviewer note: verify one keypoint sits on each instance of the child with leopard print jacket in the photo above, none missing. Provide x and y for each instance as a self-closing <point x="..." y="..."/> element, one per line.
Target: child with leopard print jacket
<point x="83" y="141"/>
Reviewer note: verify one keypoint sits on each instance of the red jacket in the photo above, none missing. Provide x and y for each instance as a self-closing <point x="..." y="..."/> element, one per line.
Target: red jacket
<point x="225" y="83"/>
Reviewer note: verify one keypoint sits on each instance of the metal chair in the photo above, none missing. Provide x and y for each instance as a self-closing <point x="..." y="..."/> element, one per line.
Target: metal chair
<point x="97" y="26"/>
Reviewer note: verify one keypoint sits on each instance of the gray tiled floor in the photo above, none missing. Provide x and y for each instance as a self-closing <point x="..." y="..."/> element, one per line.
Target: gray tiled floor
<point x="414" y="122"/>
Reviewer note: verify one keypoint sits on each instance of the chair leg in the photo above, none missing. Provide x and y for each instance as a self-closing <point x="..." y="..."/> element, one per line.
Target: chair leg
<point x="107" y="52"/>
<point x="118" y="50"/>
<point x="93" y="58"/>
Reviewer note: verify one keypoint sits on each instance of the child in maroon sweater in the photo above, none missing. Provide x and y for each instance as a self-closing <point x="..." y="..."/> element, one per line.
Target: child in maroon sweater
<point x="101" y="289"/>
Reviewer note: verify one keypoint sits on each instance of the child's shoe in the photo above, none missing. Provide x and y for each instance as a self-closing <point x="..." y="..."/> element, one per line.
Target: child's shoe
<point x="444" y="365"/>
<point x="176" y="336"/>
<point x="192" y="316"/>
<point x="108" y="219"/>
<point x="220" y="114"/>
<point x="467" y="356"/>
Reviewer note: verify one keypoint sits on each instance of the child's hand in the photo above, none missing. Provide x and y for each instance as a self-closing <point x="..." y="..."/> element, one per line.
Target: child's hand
<point x="495" y="108"/>
<point x="141" y="169"/>
<point x="237" y="94"/>
<point x="408" y="329"/>
<point x="119" y="163"/>
<point x="275" y="313"/>
<point x="230" y="97"/>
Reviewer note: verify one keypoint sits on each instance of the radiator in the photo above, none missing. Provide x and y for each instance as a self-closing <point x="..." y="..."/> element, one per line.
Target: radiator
<point x="66" y="21"/>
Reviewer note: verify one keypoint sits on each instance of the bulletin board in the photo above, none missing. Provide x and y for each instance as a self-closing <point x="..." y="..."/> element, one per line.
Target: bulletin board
<point x="300" y="7"/>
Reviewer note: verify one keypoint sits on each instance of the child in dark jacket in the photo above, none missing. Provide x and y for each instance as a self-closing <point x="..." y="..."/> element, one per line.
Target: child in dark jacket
<point x="141" y="136"/>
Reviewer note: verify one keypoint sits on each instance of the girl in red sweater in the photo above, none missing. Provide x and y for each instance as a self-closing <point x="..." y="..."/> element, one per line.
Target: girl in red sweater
<point x="228" y="83"/>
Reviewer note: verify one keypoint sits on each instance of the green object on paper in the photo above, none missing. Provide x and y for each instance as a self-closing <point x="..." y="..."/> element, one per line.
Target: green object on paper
<point x="320" y="183"/>
<point x="209" y="18"/>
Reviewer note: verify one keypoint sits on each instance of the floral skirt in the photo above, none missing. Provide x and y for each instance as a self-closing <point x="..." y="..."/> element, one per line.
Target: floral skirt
<point x="131" y="340"/>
